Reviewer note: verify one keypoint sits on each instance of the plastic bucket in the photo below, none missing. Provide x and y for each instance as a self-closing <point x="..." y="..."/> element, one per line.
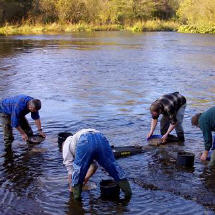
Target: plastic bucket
<point x="155" y="136"/>
<point x="62" y="137"/>
<point x="109" y="189"/>
<point x="185" y="159"/>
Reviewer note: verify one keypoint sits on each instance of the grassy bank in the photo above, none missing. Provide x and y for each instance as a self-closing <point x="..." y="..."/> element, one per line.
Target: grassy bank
<point x="202" y="29"/>
<point x="153" y="25"/>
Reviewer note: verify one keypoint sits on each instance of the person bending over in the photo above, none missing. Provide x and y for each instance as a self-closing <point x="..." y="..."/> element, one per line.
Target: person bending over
<point x="80" y="154"/>
<point x="13" y="111"/>
<point x="172" y="107"/>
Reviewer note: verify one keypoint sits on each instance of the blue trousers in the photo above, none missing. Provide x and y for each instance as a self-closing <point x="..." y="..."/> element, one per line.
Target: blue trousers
<point x="94" y="146"/>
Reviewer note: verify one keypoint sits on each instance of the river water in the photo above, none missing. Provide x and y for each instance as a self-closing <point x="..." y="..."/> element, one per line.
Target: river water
<point x="107" y="81"/>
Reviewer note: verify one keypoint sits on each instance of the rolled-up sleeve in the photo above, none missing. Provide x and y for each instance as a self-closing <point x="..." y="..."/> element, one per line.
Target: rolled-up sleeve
<point x="68" y="157"/>
<point x="35" y="115"/>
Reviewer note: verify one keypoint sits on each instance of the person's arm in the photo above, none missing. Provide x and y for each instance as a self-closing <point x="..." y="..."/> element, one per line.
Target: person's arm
<point x="68" y="159"/>
<point x="173" y="121"/>
<point x="38" y="124"/>
<point x="207" y="140"/>
<point x="153" y="126"/>
<point x="91" y="171"/>
<point x="165" y="136"/>
<point x="23" y="134"/>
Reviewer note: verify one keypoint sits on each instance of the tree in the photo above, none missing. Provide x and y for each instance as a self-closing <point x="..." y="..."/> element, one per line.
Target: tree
<point x="197" y="12"/>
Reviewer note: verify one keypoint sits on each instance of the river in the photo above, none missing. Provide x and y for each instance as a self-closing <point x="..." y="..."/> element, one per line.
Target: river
<point x="107" y="81"/>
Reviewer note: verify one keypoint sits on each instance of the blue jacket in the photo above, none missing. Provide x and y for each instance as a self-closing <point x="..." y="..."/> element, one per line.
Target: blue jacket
<point x="17" y="108"/>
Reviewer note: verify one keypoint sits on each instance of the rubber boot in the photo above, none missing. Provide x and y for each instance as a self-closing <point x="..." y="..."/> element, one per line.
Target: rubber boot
<point x="76" y="190"/>
<point x="172" y="138"/>
<point x="181" y="137"/>
<point x="125" y="186"/>
<point x="212" y="160"/>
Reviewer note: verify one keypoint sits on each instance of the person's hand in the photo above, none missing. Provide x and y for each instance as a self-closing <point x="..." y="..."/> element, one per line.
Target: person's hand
<point x="85" y="180"/>
<point x="42" y="134"/>
<point x="149" y="135"/>
<point x="204" y="155"/>
<point x="69" y="182"/>
<point x="164" y="138"/>
<point x="25" y="137"/>
<point x="69" y="178"/>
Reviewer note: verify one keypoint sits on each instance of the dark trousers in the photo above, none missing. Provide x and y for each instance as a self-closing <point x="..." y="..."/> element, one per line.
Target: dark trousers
<point x="7" y="128"/>
<point x="164" y="123"/>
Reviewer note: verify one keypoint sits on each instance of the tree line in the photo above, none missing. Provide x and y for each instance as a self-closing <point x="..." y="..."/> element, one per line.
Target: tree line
<point x="103" y="12"/>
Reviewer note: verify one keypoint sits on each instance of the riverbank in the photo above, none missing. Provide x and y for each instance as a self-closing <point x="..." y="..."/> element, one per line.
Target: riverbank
<point x="201" y="29"/>
<point x="151" y="25"/>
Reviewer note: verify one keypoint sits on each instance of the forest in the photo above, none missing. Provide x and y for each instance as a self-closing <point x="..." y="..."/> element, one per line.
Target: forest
<point x="194" y="16"/>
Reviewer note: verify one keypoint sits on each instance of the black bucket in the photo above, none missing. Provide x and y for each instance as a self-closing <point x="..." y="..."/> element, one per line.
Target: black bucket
<point x="35" y="139"/>
<point x="62" y="137"/>
<point x="109" y="189"/>
<point x="185" y="159"/>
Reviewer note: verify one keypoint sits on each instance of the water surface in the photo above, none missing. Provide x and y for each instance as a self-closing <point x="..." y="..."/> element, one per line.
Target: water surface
<point x="107" y="81"/>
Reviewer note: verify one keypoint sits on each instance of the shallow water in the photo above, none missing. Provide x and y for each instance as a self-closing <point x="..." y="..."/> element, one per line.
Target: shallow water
<point x="107" y="80"/>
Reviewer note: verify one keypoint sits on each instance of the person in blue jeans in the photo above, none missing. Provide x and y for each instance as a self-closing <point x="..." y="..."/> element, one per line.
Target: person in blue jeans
<point x="82" y="151"/>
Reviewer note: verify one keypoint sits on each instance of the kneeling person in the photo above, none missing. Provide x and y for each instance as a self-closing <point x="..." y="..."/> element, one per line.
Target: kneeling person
<point x="80" y="152"/>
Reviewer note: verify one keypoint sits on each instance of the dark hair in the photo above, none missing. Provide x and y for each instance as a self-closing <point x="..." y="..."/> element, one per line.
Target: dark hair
<point x="36" y="103"/>
<point x="195" y="119"/>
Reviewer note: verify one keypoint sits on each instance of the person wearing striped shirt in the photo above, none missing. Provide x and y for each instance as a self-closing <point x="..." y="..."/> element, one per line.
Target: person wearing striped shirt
<point x="172" y="107"/>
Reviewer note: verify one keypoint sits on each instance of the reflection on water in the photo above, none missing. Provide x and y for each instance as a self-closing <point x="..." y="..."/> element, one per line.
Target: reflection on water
<point x="107" y="80"/>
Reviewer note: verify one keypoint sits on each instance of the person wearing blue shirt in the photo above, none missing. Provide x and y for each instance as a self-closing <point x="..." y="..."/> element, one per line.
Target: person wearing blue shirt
<point x="13" y="111"/>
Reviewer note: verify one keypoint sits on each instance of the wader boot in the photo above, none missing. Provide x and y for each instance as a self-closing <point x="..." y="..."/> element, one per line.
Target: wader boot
<point x="172" y="138"/>
<point x="76" y="190"/>
<point x="212" y="161"/>
<point x="180" y="136"/>
<point x="7" y="129"/>
<point x="125" y="186"/>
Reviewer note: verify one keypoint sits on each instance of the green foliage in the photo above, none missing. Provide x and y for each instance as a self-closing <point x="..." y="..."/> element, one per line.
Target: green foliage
<point x="197" y="16"/>
<point x="13" y="10"/>
<point x="88" y="11"/>
<point x="136" y="15"/>
<point x="150" y="25"/>
<point x="165" y="9"/>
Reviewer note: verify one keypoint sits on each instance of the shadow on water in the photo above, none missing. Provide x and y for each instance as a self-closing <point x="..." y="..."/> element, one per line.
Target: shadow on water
<point x="107" y="80"/>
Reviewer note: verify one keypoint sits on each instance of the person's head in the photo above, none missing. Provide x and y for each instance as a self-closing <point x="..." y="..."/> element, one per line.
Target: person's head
<point x="62" y="136"/>
<point x="155" y="109"/>
<point x="34" y="105"/>
<point x="195" y="119"/>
